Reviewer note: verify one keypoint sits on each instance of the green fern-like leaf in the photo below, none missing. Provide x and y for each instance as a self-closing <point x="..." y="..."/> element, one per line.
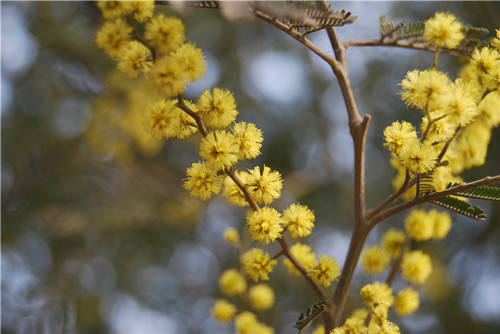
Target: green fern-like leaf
<point x="312" y="313"/>
<point x="460" y="206"/>
<point x="426" y="184"/>
<point x="483" y="192"/>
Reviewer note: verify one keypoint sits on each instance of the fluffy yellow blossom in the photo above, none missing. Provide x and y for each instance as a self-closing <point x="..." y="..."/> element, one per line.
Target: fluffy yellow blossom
<point x="488" y="111"/>
<point x="418" y="157"/>
<point x="398" y="135"/>
<point x="248" y="138"/>
<point x="265" y="225"/>
<point x="246" y="323"/>
<point x="299" y="220"/>
<point x="202" y="181"/>
<point x="231" y="235"/>
<point x="351" y="326"/>
<point x="425" y="89"/>
<point x="231" y="282"/>
<point x="112" y="9"/>
<point x="377" y="293"/>
<point x="142" y="9"/>
<point x="419" y="224"/>
<point x="265" y="187"/>
<point x="218" y="108"/>
<point x="392" y="242"/>
<point x="113" y="36"/>
<point x="232" y="192"/>
<point x="167" y="75"/>
<point x="261" y="296"/>
<point x="303" y="254"/>
<point x="166" y="33"/>
<point x="223" y="310"/>
<point x="388" y="327"/>
<point x="485" y="63"/>
<point x="442" y="223"/>
<point x="191" y="61"/>
<point x="324" y="271"/>
<point x="135" y="58"/>
<point x="439" y="131"/>
<point x="257" y="264"/>
<point x="219" y="149"/>
<point x="375" y="259"/>
<point x="471" y="147"/>
<point x="460" y="105"/>
<point x="443" y="30"/>
<point x="407" y="301"/>
<point x="416" y="266"/>
<point x="164" y="120"/>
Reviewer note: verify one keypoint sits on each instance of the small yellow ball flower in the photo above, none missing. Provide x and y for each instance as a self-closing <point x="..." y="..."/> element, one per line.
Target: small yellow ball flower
<point x="488" y="111"/>
<point x="248" y="138"/>
<point x="261" y="296"/>
<point x="398" y="135"/>
<point x="377" y="293"/>
<point x="416" y="266"/>
<point x="232" y="192"/>
<point x="167" y="75"/>
<point x="442" y="224"/>
<point x="202" y="181"/>
<point x="135" y="59"/>
<point x="324" y="271"/>
<point x="166" y="33"/>
<point x="223" y="310"/>
<point x="418" y="157"/>
<point x="299" y="220"/>
<point x="443" y="30"/>
<point x="486" y="63"/>
<point x="375" y="259"/>
<point x="231" y="234"/>
<point x="160" y="119"/>
<point x="388" y="327"/>
<point x="191" y="61"/>
<point x="440" y="131"/>
<point x="460" y="105"/>
<point x="425" y="89"/>
<point x="257" y="264"/>
<point x="219" y="149"/>
<point x="351" y="325"/>
<point x="232" y="282"/>
<point x="246" y="323"/>
<point x="471" y="147"/>
<point x="142" y="9"/>
<point x="218" y="108"/>
<point x="265" y="225"/>
<point x="392" y="241"/>
<point x="112" y="9"/>
<point x="407" y="301"/>
<point x="265" y="187"/>
<point x="303" y="254"/>
<point x="419" y="224"/>
<point x="113" y="36"/>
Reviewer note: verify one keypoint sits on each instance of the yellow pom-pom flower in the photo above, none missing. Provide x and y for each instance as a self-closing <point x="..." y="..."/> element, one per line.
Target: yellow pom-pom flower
<point x="257" y="264"/>
<point x="261" y="296"/>
<point x="398" y="135"/>
<point x="418" y="157"/>
<point x="265" y="225"/>
<point x="388" y="327"/>
<point x="113" y="36"/>
<point x="248" y="138"/>
<point x="265" y="187"/>
<point x="246" y="323"/>
<point x="443" y="30"/>
<point x="351" y="325"/>
<point x="202" y="181"/>
<point x="160" y="119"/>
<point x="425" y="89"/>
<point x="113" y="9"/>
<point x="440" y="130"/>
<point x="232" y="192"/>
<point x="442" y="223"/>
<point x="488" y="111"/>
<point x="191" y="60"/>
<point x="375" y="259"/>
<point x="167" y="75"/>
<point x="218" y="108"/>
<point x="377" y="293"/>
<point x="392" y="242"/>
<point x="231" y="282"/>
<point x="486" y="63"/>
<point x="407" y="301"/>
<point x="231" y="235"/>
<point x="166" y="33"/>
<point x="325" y="270"/>
<point x="223" y="310"/>
<point x="303" y="254"/>
<point x="219" y="149"/>
<point x="135" y="58"/>
<point x="299" y="220"/>
<point x="471" y="147"/>
<point x="419" y="224"/>
<point x="460" y="105"/>
<point x="142" y="9"/>
<point x="416" y="266"/>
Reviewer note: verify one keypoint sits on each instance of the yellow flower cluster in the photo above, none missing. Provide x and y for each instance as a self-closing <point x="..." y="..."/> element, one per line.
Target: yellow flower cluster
<point x="325" y="270"/>
<point x="379" y="298"/>
<point x="424" y="225"/>
<point x="246" y="323"/>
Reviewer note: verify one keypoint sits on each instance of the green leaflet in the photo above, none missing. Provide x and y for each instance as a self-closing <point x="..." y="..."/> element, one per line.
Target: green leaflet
<point x="483" y="192"/>
<point x="460" y="206"/>
<point x="312" y="313"/>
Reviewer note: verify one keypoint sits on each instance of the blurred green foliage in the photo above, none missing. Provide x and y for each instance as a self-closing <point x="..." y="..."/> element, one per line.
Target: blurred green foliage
<point x="110" y="241"/>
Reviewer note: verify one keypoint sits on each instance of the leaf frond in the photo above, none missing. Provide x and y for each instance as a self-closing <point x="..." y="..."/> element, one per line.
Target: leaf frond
<point x="483" y="192"/>
<point x="460" y="206"/>
<point x="312" y="313"/>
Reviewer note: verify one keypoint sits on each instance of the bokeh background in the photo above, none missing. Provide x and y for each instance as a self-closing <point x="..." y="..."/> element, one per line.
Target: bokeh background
<point x="98" y="235"/>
